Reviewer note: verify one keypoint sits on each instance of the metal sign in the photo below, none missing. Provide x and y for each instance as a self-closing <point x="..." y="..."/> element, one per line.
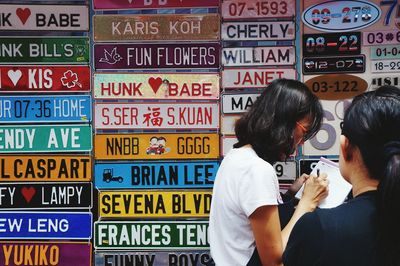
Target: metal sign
<point x="44" y="79"/>
<point x="385" y="52"/>
<point x="238" y="103"/>
<point x="227" y="144"/>
<point x="259" y="56"/>
<point x="45" y="225"/>
<point x="385" y="66"/>
<point x="157" y="258"/>
<point x="39" y="109"/>
<point x="49" y="168"/>
<point x="156" y="56"/>
<point x="190" y="86"/>
<point x="228" y="124"/>
<point x="342" y="64"/>
<point x="337" y="87"/>
<point x="156" y="146"/>
<point x="151" y="235"/>
<point x="58" y="253"/>
<point x="57" y="138"/>
<point x="154" y="204"/>
<point x="151" y="175"/>
<point x="381" y="37"/>
<point x="258" y="31"/>
<point x="378" y="80"/>
<point x="145" y="4"/>
<point x="251" y="9"/>
<point x="254" y="77"/>
<point x="307" y="165"/>
<point x="33" y="17"/>
<point x="44" y="50"/>
<point x="156" y="115"/>
<point x="326" y="142"/>
<point x="45" y="196"/>
<point x="335" y="16"/>
<point x="157" y="27"/>
<point x="346" y="43"/>
<point x="285" y="171"/>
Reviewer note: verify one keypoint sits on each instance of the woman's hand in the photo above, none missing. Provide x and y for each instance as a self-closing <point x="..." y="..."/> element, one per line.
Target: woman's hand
<point x="298" y="182"/>
<point x="315" y="190"/>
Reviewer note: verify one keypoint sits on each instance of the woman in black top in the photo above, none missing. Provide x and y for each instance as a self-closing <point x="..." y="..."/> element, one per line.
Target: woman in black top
<point x="365" y="230"/>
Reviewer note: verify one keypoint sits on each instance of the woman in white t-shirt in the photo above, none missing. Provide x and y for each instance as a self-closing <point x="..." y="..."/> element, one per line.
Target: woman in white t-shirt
<point x="244" y="216"/>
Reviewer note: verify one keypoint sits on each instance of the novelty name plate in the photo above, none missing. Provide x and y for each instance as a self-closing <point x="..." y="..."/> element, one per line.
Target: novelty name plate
<point x="156" y="146"/>
<point x="118" y="258"/>
<point x="385" y="66"/>
<point x="156" y="86"/>
<point x="45" y="225"/>
<point x="45" y="168"/>
<point x="57" y="138"/>
<point x="45" y="253"/>
<point x="45" y="50"/>
<point x="156" y="115"/>
<point x="44" y="17"/>
<point x="254" y="77"/>
<point x="258" y="31"/>
<point x="381" y="37"/>
<point x="44" y="79"/>
<point x="38" y="109"/>
<point x="157" y="27"/>
<point x="251" y="9"/>
<point x="258" y="56"/>
<point x="151" y="235"/>
<point x="145" y="4"/>
<point x="156" y="56"/>
<point x="45" y="196"/>
<point x="347" y="43"/>
<point x="385" y="52"/>
<point x="238" y="103"/>
<point x="154" y="204"/>
<point x="343" y="64"/>
<point x="151" y="175"/>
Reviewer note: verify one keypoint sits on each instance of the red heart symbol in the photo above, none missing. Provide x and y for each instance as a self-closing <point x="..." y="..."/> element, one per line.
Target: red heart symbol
<point x="28" y="193"/>
<point x="155" y="83"/>
<point x="23" y="14"/>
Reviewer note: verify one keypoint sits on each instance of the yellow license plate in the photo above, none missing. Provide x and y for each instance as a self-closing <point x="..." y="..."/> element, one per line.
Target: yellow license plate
<point x="151" y="204"/>
<point x="156" y="146"/>
<point x="47" y="168"/>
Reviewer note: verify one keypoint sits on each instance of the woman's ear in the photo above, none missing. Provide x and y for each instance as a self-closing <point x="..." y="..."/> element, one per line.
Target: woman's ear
<point x="345" y="148"/>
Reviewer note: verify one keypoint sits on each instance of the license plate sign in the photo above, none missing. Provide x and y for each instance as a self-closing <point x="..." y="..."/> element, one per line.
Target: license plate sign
<point x="145" y="4"/>
<point x="324" y="65"/>
<point x="44" y="79"/>
<point x="160" y="27"/>
<point x="250" y="9"/>
<point x="30" y="196"/>
<point x="156" y="56"/>
<point x="347" y="43"/>
<point x="166" y="235"/>
<point x="228" y="124"/>
<point x="385" y="52"/>
<point x="156" y="116"/>
<point x="258" y="31"/>
<point x="381" y="37"/>
<point x="378" y="80"/>
<point x="172" y="86"/>
<point x="46" y="50"/>
<point x="46" y="253"/>
<point x="156" y="146"/>
<point x="32" y="17"/>
<point x="385" y="66"/>
<point x="57" y="138"/>
<point x="154" y="204"/>
<point x="38" y="109"/>
<point x="36" y="225"/>
<point x="34" y="168"/>
<point x="247" y="78"/>
<point x="238" y="103"/>
<point x="258" y="56"/>
<point x="156" y="175"/>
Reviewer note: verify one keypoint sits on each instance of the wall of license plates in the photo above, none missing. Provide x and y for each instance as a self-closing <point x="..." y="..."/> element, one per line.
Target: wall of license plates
<point x="114" y="115"/>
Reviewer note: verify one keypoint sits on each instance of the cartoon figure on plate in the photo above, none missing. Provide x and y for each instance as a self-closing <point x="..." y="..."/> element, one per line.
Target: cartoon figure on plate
<point x="157" y="146"/>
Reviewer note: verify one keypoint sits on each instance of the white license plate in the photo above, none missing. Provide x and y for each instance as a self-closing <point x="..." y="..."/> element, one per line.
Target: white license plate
<point x="228" y="124"/>
<point x="238" y="103"/>
<point x="385" y="66"/>
<point x="259" y="56"/>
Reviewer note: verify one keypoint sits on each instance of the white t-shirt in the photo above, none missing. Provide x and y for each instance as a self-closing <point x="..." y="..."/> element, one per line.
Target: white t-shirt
<point x="243" y="183"/>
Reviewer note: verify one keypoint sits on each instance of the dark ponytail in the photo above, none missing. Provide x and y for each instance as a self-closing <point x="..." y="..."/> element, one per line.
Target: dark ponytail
<point x="372" y="123"/>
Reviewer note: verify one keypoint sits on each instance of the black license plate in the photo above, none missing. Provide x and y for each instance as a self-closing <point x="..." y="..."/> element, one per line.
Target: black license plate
<point x="343" y="64"/>
<point x="347" y="43"/>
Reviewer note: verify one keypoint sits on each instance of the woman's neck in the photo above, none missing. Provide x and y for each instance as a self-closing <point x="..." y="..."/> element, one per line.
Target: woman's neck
<point x="363" y="184"/>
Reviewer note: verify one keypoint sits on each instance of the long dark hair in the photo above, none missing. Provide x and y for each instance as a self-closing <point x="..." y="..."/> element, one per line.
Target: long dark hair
<point x="372" y="123"/>
<point x="269" y="124"/>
